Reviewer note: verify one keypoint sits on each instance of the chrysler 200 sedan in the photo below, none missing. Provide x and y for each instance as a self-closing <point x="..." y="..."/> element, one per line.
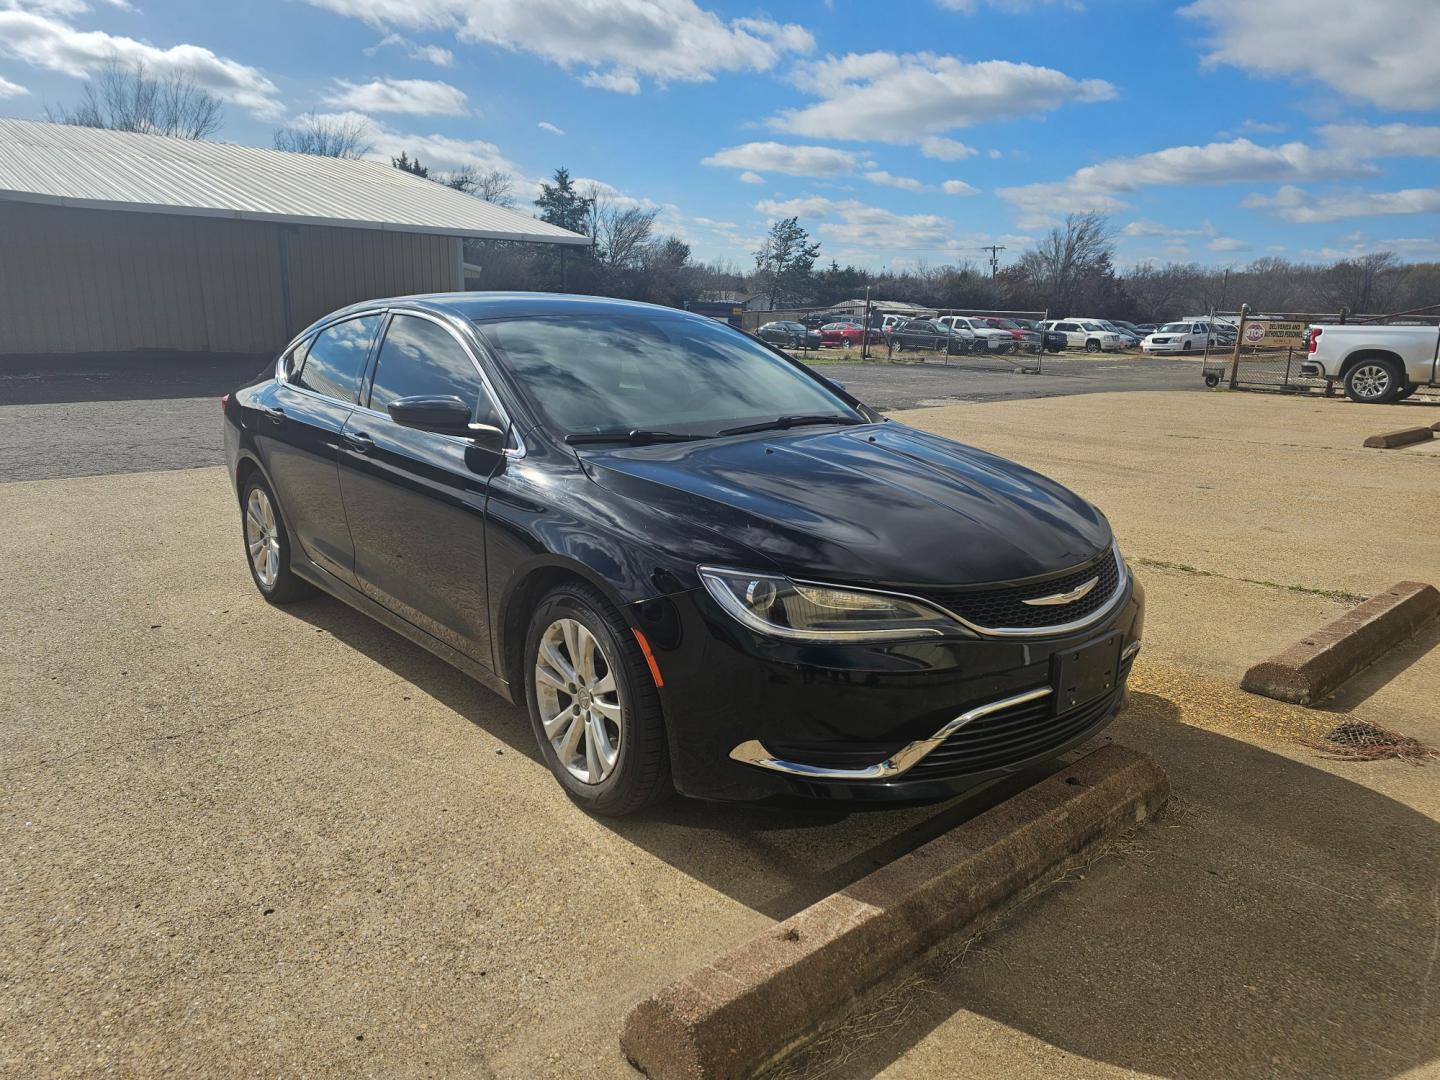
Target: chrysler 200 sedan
<point x="699" y="565"/>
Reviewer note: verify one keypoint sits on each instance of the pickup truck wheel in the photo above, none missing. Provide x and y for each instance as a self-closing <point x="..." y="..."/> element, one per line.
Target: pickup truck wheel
<point x="1410" y="388"/>
<point x="1373" y="382"/>
<point x="1092" y="345"/>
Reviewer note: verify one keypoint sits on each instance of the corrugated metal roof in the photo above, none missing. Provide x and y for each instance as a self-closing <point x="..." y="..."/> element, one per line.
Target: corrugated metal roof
<point x="115" y="170"/>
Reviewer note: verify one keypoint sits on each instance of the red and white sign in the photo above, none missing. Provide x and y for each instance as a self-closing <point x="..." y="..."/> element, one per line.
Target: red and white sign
<point x="1255" y="333"/>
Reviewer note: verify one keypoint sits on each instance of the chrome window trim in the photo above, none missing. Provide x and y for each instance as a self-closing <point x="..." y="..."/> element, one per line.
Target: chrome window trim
<point x="902" y="761"/>
<point x="386" y="314"/>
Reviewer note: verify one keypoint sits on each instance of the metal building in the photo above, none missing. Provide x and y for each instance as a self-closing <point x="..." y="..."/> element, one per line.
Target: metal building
<point x="113" y="242"/>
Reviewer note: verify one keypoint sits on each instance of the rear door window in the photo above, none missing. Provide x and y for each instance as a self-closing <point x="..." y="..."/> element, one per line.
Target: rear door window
<point x="335" y="364"/>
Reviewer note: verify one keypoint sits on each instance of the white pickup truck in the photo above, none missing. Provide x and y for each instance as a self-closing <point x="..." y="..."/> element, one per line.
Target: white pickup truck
<point x="1375" y="363"/>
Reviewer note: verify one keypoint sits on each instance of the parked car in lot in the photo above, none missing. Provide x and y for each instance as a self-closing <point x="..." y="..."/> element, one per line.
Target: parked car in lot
<point x="1129" y="339"/>
<point x="932" y="334"/>
<point x="1025" y="339"/>
<point x="791" y="335"/>
<point x="987" y="338"/>
<point x="816" y="319"/>
<point x="1180" y="337"/>
<point x="1376" y="364"/>
<point x="1086" y="334"/>
<point x="694" y="562"/>
<point x="849" y="335"/>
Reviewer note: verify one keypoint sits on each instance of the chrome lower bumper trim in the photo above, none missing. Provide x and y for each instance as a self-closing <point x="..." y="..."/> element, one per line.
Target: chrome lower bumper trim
<point x="899" y="763"/>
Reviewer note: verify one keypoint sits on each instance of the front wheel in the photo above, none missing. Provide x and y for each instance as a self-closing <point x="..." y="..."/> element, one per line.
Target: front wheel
<point x="1092" y="345"/>
<point x="593" y="704"/>
<point x="1374" y="382"/>
<point x="1410" y="388"/>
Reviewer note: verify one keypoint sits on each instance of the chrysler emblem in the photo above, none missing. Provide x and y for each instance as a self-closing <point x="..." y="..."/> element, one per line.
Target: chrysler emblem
<point x="1063" y="597"/>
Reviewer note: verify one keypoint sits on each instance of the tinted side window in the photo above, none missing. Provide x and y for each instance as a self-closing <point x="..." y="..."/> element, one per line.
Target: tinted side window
<point x="336" y="361"/>
<point x="420" y="358"/>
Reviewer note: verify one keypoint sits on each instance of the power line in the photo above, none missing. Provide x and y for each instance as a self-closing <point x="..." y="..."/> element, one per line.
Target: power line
<point x="994" y="250"/>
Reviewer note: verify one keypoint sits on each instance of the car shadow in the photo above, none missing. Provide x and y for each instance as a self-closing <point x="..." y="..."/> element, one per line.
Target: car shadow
<point x="1280" y="921"/>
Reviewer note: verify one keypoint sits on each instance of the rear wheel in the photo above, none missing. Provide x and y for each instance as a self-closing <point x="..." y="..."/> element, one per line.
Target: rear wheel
<point x="593" y="704"/>
<point x="1373" y="382"/>
<point x="267" y="546"/>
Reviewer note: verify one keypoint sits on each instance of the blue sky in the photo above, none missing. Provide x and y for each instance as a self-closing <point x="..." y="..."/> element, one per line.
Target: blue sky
<point x="1217" y="131"/>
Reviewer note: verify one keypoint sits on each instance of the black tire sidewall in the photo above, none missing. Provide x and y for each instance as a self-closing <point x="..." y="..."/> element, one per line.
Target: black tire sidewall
<point x="612" y="793"/>
<point x="286" y="584"/>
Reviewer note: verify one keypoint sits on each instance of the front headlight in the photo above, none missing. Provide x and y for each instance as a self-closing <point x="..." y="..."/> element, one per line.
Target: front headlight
<point x="798" y="611"/>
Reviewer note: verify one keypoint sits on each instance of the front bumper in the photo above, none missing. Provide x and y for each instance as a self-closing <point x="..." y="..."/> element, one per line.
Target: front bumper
<point x="751" y="717"/>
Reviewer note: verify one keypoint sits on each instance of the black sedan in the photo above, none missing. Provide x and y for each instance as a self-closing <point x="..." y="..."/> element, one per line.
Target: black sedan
<point x="789" y="335"/>
<point x="928" y="334"/>
<point x="698" y="564"/>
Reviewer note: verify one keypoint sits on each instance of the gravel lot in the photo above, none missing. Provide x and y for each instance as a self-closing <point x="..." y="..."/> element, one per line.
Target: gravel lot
<point x="241" y="841"/>
<point x="130" y="414"/>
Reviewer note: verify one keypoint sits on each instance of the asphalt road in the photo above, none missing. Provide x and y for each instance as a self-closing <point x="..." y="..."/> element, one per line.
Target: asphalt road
<point x="129" y="413"/>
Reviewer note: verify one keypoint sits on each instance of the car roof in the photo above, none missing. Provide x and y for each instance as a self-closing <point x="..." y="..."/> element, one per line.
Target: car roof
<point x="510" y="305"/>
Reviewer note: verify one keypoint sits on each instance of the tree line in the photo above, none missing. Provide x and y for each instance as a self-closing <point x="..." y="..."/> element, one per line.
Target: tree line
<point x="1071" y="270"/>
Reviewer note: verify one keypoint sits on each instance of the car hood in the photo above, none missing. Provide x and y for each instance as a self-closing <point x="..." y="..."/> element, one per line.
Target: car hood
<point x="879" y="503"/>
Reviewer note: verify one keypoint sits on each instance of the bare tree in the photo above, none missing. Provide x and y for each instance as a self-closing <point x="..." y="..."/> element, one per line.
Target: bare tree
<point x="337" y="137"/>
<point x="1367" y="285"/>
<point x="1066" y="255"/>
<point x="491" y="185"/>
<point x="125" y="97"/>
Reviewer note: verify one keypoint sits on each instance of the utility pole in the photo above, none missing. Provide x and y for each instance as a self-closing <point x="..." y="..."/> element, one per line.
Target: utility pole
<point x="994" y="250"/>
<point x="865" y="331"/>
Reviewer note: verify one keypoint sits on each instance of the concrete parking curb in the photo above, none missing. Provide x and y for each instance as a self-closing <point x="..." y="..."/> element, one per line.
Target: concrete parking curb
<point x="768" y="997"/>
<point x="1312" y="669"/>
<point x="1404" y="437"/>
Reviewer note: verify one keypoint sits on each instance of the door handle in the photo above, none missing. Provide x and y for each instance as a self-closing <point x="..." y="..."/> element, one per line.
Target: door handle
<point x="359" y="442"/>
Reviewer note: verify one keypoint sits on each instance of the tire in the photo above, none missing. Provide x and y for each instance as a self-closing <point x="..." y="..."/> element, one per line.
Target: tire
<point x="1092" y="345"/>
<point x="1410" y="388"/>
<point x="267" y="545"/>
<point x="1185" y="347"/>
<point x="606" y="740"/>
<point x="1212" y="381"/>
<point x="1374" y="381"/>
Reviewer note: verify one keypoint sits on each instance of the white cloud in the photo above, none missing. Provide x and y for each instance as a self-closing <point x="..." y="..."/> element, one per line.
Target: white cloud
<point x="996" y="153"/>
<point x="435" y="151"/>
<point x="885" y="179"/>
<point x="748" y="177"/>
<point x="902" y="98"/>
<point x="612" y="45"/>
<point x="783" y="158"/>
<point x="958" y="187"/>
<point x="1143" y="228"/>
<point x="9" y="89"/>
<point x="1227" y="243"/>
<point x="1008" y="7"/>
<point x="417" y="97"/>
<point x="435" y="54"/>
<point x="545" y="125"/>
<point x="57" y="46"/>
<point x="859" y="229"/>
<point x="1383" y="140"/>
<point x="942" y="149"/>
<point x="1383" y="52"/>
<point x="1295" y="204"/>
<point x="1099" y="187"/>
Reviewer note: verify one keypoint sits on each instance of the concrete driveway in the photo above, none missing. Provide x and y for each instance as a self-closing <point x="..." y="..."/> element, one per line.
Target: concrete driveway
<point x="242" y="841"/>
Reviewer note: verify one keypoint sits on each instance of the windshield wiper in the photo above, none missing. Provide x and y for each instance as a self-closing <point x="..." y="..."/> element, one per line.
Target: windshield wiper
<point x="782" y="422"/>
<point x="636" y="437"/>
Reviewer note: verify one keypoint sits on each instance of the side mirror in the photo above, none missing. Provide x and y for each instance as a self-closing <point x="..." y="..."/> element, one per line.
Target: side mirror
<point x="446" y="415"/>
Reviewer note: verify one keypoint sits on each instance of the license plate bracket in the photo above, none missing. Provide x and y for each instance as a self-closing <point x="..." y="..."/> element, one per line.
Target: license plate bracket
<point x="1086" y="672"/>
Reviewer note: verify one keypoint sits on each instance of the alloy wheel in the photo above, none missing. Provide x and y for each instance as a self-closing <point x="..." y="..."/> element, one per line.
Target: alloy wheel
<point x="580" y="707"/>
<point x="262" y="537"/>
<point x="1370" y="381"/>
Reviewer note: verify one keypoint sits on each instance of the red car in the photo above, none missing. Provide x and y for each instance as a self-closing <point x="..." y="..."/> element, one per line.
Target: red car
<point x="846" y="335"/>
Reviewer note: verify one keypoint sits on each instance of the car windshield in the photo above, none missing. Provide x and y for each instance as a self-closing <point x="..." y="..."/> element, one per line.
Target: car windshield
<point x="1005" y="324"/>
<point x="604" y="373"/>
<point x="1174" y="328"/>
<point x="1092" y="326"/>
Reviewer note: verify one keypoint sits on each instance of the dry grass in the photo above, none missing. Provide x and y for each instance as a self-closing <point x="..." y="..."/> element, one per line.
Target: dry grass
<point x="1360" y="740"/>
